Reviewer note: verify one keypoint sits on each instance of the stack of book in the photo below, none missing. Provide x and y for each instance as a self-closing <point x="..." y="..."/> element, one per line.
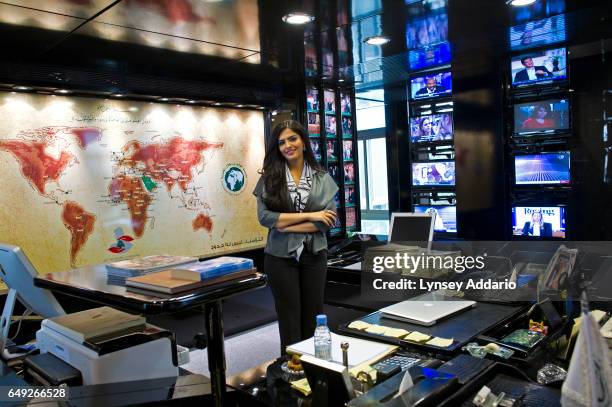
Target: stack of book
<point x="119" y="271"/>
<point x="191" y="276"/>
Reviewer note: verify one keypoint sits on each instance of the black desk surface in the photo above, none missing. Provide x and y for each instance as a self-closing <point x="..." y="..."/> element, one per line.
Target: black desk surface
<point x="462" y="327"/>
<point x="92" y="283"/>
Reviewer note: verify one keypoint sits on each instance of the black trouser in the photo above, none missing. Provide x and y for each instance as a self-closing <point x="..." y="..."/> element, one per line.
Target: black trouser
<point x="298" y="289"/>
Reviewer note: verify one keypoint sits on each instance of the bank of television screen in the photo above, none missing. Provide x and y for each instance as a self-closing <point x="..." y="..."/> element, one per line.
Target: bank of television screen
<point x="431" y="128"/>
<point x="546" y="116"/>
<point x="538" y="33"/>
<point x="446" y="217"/>
<point x="431" y="86"/>
<point x="434" y="55"/>
<point x="539" y="67"/>
<point x="543" y="168"/>
<point x="438" y="173"/>
<point x="538" y="221"/>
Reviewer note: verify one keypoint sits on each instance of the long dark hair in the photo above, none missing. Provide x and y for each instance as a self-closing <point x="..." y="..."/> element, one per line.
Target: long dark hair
<point x="273" y="172"/>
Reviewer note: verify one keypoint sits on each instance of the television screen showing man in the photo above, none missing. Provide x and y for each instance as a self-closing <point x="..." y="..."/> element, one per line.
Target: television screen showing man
<point x="542" y="66"/>
<point x="431" y="85"/>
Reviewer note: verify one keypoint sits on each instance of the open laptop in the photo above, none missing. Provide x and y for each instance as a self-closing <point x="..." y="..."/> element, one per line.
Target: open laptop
<point x="412" y="227"/>
<point x="423" y="312"/>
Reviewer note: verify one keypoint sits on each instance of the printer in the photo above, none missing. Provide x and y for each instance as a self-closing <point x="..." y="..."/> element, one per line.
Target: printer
<point x="146" y="353"/>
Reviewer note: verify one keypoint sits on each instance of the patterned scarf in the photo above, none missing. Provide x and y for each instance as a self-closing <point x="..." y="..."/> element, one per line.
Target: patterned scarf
<point x="299" y="193"/>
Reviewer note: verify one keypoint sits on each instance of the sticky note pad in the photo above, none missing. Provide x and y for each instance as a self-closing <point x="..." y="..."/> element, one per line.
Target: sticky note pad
<point x="417" y="337"/>
<point x="395" y="332"/>
<point x="376" y="329"/>
<point x="360" y="325"/>
<point x="440" y="342"/>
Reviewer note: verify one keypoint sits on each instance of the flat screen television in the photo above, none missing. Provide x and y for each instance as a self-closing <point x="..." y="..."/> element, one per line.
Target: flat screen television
<point x="446" y="217"/>
<point x="543" y="168"/>
<point x="433" y="173"/>
<point x="431" y="86"/>
<point x="431" y="128"/>
<point x="539" y="67"/>
<point x="542" y="117"/>
<point x="430" y="56"/>
<point x="538" y="33"/>
<point x="538" y="221"/>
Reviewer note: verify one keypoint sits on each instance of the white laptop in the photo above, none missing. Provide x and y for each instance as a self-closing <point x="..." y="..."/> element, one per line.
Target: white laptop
<point x="425" y="312"/>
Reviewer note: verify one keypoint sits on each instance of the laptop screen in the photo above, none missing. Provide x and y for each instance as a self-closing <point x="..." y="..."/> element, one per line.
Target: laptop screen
<point x="411" y="227"/>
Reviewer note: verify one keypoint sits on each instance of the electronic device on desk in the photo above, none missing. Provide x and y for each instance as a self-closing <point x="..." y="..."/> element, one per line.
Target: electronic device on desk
<point x="18" y="274"/>
<point x="109" y="346"/>
<point x="412" y="227"/>
<point x="429" y="388"/>
<point x="350" y="250"/>
<point x="401" y="361"/>
<point x="427" y="312"/>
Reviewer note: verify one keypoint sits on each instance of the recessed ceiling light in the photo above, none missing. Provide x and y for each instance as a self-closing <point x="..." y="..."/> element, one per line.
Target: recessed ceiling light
<point x="191" y="101"/>
<point x="274" y="113"/>
<point x="217" y="104"/>
<point x="240" y="106"/>
<point x="377" y="40"/>
<point x="22" y="88"/>
<point x="520" y="3"/>
<point x="298" y="18"/>
<point x="163" y="99"/>
<point x="341" y="80"/>
<point x="62" y="91"/>
<point x="117" y="95"/>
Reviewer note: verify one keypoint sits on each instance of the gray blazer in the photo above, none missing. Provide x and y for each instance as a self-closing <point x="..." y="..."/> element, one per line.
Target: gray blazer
<point x="321" y="197"/>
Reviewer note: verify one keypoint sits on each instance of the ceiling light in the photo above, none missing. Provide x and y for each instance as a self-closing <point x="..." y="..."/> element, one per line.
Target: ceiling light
<point x="341" y="80"/>
<point x="191" y="101"/>
<point x="117" y="95"/>
<point x="240" y="106"/>
<point x="274" y="113"/>
<point x="298" y="18"/>
<point x="62" y="91"/>
<point x="520" y="3"/>
<point x="377" y="40"/>
<point x="22" y="88"/>
<point x="163" y="99"/>
<point x="217" y="104"/>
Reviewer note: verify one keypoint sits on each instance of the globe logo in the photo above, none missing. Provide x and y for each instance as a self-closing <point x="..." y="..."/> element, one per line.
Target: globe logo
<point x="234" y="179"/>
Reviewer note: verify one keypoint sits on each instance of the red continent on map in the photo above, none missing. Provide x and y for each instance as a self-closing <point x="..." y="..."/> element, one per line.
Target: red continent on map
<point x="170" y="162"/>
<point x="86" y="135"/>
<point x="38" y="167"/>
<point x="202" y="222"/>
<point x="131" y="191"/>
<point x="80" y="224"/>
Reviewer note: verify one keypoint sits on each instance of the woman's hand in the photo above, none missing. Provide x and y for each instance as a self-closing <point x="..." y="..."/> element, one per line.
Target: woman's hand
<point x="326" y="216"/>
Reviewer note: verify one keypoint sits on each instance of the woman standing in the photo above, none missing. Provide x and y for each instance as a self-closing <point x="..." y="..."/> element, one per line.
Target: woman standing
<point x="295" y="201"/>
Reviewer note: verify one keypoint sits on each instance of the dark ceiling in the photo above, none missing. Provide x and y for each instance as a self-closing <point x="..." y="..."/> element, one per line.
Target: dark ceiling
<point x="230" y="45"/>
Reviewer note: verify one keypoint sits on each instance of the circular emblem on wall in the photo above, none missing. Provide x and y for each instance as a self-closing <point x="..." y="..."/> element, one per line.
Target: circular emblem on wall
<point x="234" y="178"/>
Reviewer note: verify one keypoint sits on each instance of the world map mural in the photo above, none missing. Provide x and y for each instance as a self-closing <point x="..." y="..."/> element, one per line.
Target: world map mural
<point x="86" y="181"/>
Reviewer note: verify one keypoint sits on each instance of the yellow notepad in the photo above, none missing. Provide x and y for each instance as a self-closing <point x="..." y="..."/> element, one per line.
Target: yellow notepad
<point x="376" y="329"/>
<point x="360" y="325"/>
<point x="417" y="337"/>
<point x="440" y="342"/>
<point x="395" y="332"/>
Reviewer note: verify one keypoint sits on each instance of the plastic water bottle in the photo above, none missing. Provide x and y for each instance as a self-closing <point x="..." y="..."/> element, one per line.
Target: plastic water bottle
<point x="322" y="339"/>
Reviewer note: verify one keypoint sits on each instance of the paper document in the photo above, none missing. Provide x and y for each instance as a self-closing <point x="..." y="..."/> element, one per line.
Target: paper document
<point x="359" y="351"/>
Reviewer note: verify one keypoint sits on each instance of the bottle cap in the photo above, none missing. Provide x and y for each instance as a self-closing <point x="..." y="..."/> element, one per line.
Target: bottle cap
<point x="321" y="319"/>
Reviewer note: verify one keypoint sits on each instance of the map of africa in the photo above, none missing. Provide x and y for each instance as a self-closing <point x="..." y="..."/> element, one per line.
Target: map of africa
<point x="87" y="181"/>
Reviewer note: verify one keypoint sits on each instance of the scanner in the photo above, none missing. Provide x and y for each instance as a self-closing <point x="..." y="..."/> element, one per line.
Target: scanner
<point x="147" y="353"/>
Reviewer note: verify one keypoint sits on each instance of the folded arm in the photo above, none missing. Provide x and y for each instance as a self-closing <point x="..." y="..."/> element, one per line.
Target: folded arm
<point x="304" y="227"/>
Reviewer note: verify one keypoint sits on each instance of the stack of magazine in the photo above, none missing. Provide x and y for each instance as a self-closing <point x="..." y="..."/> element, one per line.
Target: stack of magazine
<point x="119" y="271"/>
<point x="193" y="275"/>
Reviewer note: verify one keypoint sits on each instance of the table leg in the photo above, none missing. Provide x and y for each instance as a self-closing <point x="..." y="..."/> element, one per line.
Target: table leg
<point x="216" y="352"/>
